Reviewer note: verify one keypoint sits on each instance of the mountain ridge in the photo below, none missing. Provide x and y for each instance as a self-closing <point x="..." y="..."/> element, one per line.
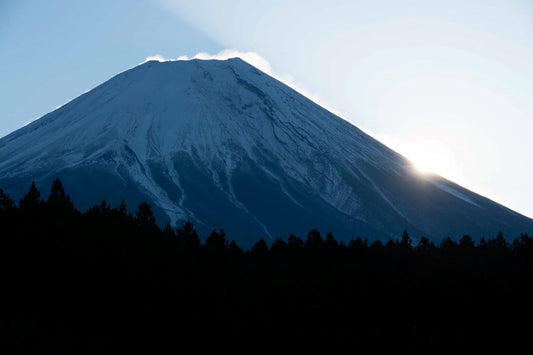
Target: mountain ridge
<point x="227" y="146"/>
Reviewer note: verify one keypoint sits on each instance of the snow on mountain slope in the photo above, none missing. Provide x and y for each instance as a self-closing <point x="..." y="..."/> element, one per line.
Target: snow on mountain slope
<point x="227" y="146"/>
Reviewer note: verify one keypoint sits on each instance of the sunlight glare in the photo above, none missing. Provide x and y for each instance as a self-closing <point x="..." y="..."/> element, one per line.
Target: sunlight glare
<point x="432" y="157"/>
<point x="428" y="156"/>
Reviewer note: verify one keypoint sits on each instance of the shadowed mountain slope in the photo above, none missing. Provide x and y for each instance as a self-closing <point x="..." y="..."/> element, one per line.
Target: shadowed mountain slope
<point x="227" y="146"/>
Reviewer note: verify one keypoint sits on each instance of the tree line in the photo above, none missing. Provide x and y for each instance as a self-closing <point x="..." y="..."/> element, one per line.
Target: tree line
<point x="106" y="280"/>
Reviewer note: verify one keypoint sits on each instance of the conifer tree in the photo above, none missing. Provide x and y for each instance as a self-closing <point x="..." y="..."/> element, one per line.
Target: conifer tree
<point x="499" y="242"/>
<point x="330" y="241"/>
<point x="105" y="209"/>
<point x="295" y="242"/>
<point x="234" y="248"/>
<point x="448" y="244"/>
<point x="58" y="199"/>
<point x="260" y="247"/>
<point x="425" y="245"/>
<point x="122" y="209"/>
<point x="32" y="200"/>
<point x="187" y="236"/>
<point x="145" y="216"/>
<point x="405" y="242"/>
<point x="314" y="239"/>
<point x="216" y="240"/>
<point x="279" y="245"/>
<point x="6" y="203"/>
<point x="466" y="243"/>
<point x="357" y="244"/>
<point x="168" y="232"/>
<point x="376" y="246"/>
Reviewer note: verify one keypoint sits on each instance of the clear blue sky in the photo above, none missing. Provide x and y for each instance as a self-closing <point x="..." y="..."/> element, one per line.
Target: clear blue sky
<point x="447" y="83"/>
<point x="52" y="51"/>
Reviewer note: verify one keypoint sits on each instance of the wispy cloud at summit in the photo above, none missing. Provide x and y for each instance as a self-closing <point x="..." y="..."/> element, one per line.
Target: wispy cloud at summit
<point x="257" y="61"/>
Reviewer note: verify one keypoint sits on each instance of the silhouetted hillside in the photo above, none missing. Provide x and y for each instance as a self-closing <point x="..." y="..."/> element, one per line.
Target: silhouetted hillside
<point x="105" y="281"/>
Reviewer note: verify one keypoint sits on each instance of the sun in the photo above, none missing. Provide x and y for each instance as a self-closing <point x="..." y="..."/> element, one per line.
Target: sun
<point x="426" y="167"/>
<point x="428" y="155"/>
<point x="432" y="157"/>
<point x="427" y="162"/>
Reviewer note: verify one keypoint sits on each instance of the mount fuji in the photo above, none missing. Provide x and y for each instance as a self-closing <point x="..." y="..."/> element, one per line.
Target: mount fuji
<point x="222" y="144"/>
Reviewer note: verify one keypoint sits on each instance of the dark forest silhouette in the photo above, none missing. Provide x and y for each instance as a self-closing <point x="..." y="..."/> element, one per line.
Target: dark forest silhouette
<point x="106" y="281"/>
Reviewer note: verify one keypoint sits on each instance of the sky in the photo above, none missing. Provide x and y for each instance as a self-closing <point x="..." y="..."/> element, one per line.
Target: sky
<point x="448" y="83"/>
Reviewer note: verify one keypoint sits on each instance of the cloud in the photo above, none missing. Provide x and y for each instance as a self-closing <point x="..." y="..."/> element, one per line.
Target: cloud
<point x="157" y="57"/>
<point x="250" y="57"/>
<point x="257" y="61"/>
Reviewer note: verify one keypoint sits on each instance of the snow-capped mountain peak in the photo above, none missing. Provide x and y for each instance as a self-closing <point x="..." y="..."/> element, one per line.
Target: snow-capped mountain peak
<point x="227" y="146"/>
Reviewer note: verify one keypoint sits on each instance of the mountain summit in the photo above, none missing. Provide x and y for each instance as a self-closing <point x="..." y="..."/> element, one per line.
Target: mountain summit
<point x="224" y="145"/>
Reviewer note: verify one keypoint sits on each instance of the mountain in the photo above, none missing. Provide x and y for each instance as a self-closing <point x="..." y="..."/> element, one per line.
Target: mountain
<point x="227" y="146"/>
